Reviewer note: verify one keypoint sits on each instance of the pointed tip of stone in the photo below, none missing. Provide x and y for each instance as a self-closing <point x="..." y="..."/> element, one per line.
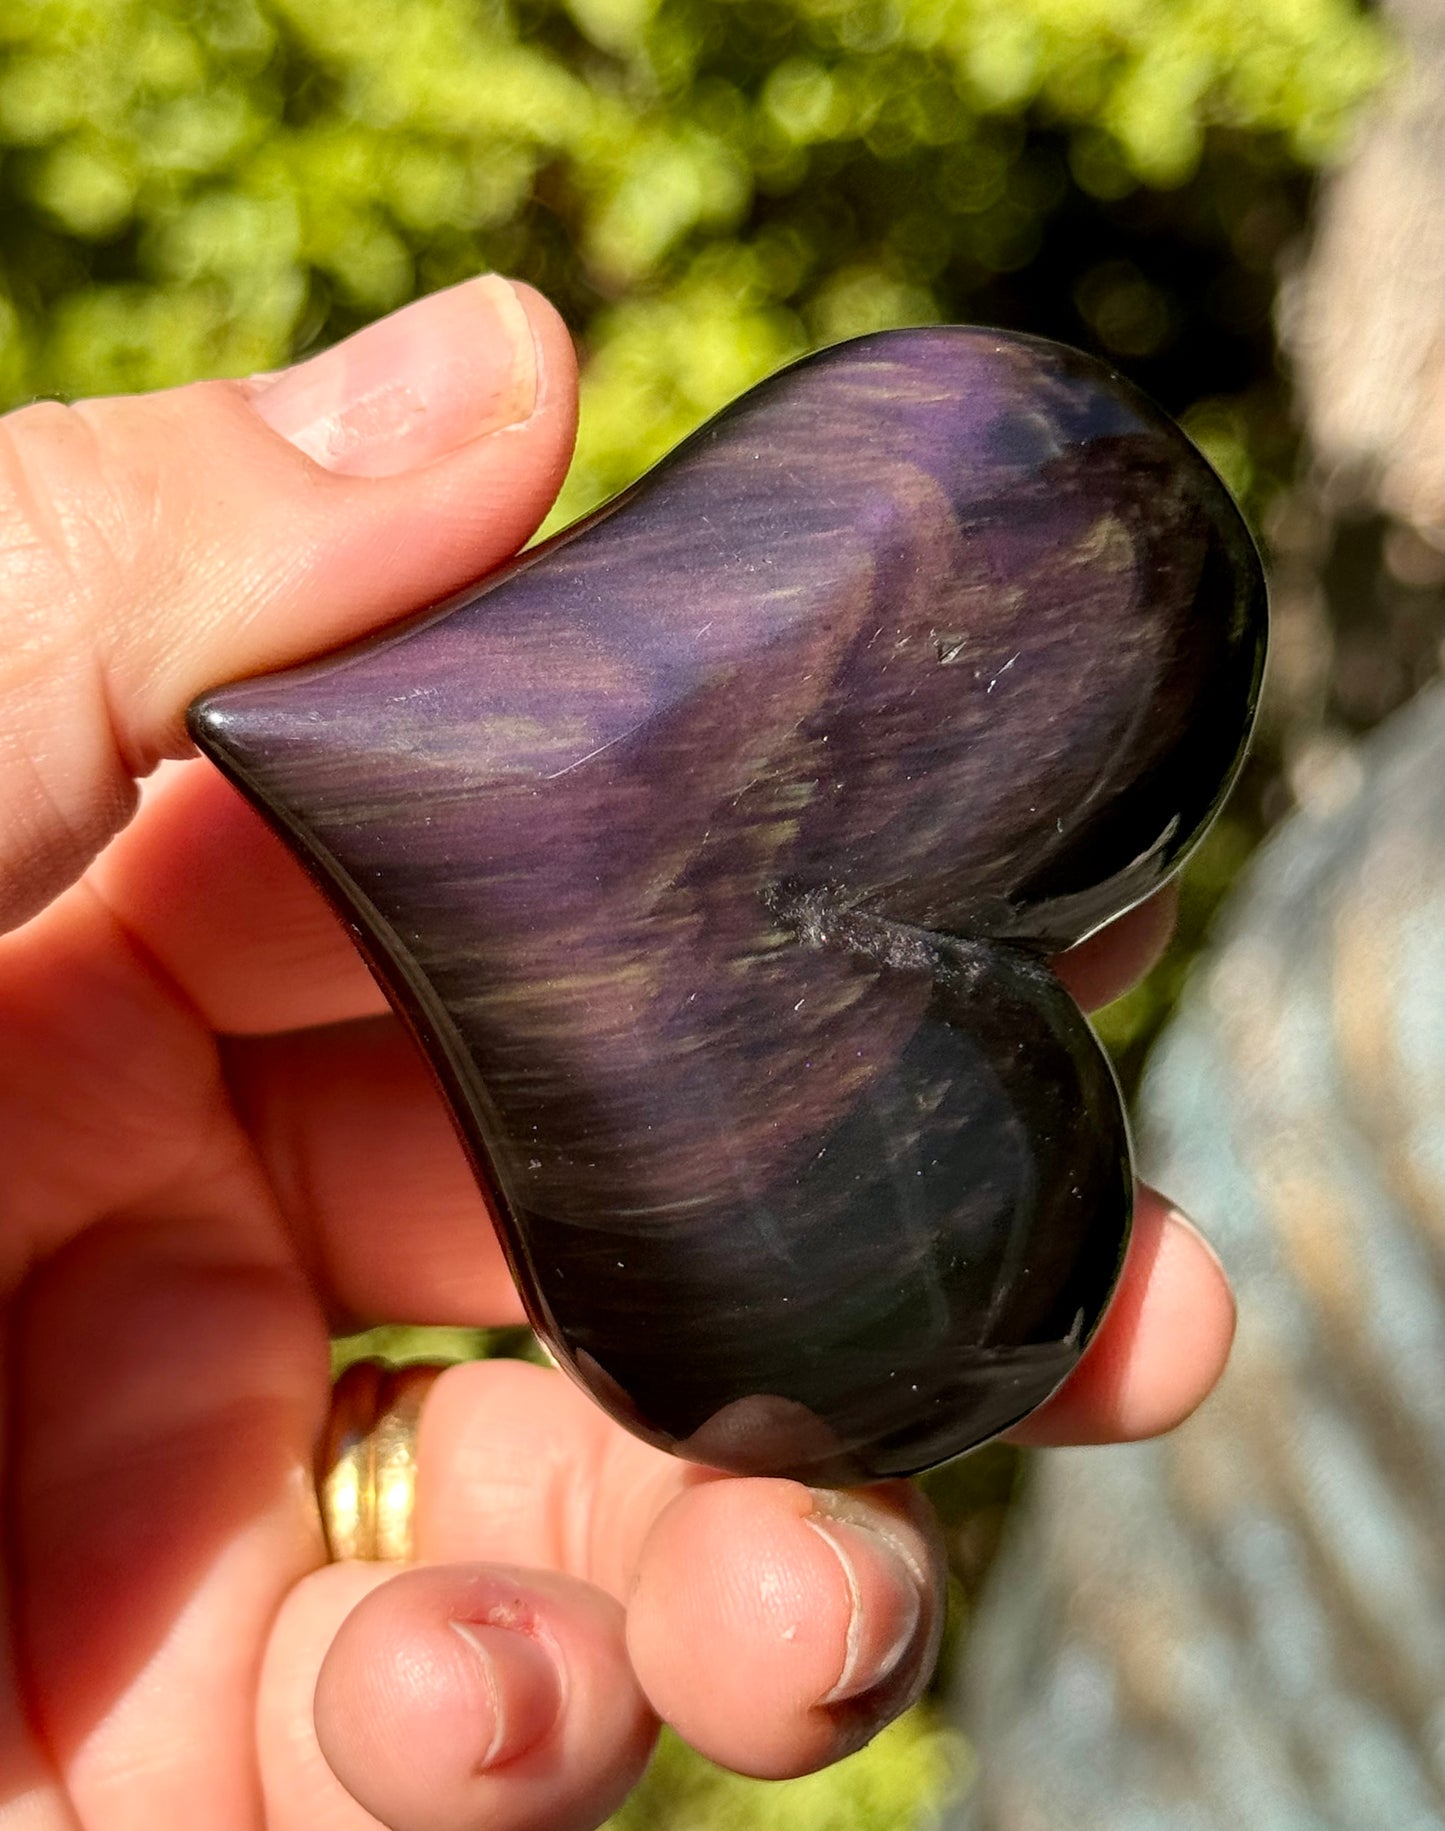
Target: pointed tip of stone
<point x="245" y="727"/>
<point x="206" y="719"/>
<point x="232" y="725"/>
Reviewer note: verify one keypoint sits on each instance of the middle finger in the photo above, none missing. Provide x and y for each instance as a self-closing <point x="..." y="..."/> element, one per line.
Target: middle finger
<point x="213" y="895"/>
<point x="217" y="899"/>
<point x="370" y="1177"/>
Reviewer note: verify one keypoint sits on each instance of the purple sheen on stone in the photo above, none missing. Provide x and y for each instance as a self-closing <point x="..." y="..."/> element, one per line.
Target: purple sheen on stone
<point x="714" y="851"/>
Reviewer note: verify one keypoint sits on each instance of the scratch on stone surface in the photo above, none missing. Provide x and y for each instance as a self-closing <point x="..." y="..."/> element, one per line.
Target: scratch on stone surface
<point x="567" y="769"/>
<point x="1003" y="670"/>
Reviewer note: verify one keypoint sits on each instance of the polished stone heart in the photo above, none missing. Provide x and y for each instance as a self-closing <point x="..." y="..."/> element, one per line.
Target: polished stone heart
<point x="715" y="851"/>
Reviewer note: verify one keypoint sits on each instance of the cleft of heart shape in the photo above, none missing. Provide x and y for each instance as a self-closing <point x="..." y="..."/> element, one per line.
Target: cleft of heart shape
<point x="714" y="852"/>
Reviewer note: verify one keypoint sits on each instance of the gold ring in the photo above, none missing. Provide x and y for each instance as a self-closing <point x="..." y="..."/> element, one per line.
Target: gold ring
<point x="366" y="1468"/>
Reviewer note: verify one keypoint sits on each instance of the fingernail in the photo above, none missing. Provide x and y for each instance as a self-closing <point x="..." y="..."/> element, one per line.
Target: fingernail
<point x="885" y="1589"/>
<point x="412" y="387"/>
<point x="524" y="1689"/>
<point x="1181" y="1219"/>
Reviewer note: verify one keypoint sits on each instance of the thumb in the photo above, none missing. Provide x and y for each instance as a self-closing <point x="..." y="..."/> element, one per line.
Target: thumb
<point x="155" y="545"/>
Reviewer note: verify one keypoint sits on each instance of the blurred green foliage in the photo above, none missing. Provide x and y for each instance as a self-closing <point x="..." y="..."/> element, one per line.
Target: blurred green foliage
<point x="398" y="1344"/>
<point x="706" y="187"/>
<point x="895" y="1784"/>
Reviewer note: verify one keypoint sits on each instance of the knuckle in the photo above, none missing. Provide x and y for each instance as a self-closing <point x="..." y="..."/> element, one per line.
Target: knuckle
<point x="103" y="532"/>
<point x="64" y="539"/>
<point x="85" y="490"/>
<point x="67" y="517"/>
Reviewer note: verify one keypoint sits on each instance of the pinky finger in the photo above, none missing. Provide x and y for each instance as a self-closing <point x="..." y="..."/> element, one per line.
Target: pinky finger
<point x="1161" y="1346"/>
<point x="449" y="1697"/>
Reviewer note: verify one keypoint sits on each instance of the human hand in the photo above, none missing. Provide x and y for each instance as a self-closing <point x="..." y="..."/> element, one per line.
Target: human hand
<point x="215" y="1147"/>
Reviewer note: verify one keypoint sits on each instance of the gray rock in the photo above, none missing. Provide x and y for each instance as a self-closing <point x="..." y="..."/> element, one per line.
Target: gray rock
<point x="1242" y="1627"/>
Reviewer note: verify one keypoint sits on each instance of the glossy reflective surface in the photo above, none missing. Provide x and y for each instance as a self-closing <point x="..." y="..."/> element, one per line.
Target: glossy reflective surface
<point x="714" y="851"/>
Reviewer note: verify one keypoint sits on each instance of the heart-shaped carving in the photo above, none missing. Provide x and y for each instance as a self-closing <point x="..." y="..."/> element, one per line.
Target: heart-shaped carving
<point x="714" y="852"/>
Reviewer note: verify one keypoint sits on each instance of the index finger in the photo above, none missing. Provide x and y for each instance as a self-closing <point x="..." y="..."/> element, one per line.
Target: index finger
<point x="219" y="901"/>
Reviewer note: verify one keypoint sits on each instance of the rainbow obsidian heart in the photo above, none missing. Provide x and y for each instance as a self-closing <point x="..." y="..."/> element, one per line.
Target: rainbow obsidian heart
<point x="715" y="850"/>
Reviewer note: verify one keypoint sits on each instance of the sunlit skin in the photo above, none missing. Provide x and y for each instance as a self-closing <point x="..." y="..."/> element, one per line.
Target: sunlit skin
<point x="216" y="1147"/>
